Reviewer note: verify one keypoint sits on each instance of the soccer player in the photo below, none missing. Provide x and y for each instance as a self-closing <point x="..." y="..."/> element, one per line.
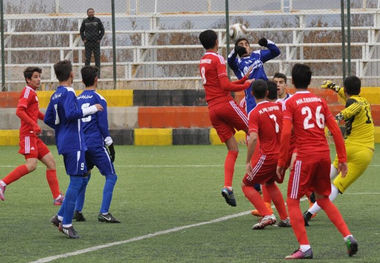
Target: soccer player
<point x="282" y="92"/>
<point x="308" y="114"/>
<point x="265" y="126"/>
<point x="98" y="140"/>
<point x="254" y="59"/>
<point x="31" y="146"/>
<point x="224" y="113"/>
<point x="63" y="114"/>
<point x="359" y="139"/>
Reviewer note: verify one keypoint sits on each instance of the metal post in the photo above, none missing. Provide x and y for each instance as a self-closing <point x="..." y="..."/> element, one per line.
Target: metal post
<point x="113" y="43"/>
<point x="2" y="46"/>
<point x="343" y="40"/>
<point x="349" y="37"/>
<point x="227" y="34"/>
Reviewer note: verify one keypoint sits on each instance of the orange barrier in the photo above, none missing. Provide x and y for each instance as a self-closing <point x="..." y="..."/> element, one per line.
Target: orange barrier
<point x="173" y="116"/>
<point x="9" y="99"/>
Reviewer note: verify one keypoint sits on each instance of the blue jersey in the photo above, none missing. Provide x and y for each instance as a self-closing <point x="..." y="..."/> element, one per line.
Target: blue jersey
<point x="63" y="114"/>
<point x="95" y="126"/>
<point x="257" y="59"/>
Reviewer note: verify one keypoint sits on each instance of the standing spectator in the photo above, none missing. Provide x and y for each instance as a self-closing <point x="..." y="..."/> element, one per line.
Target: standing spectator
<point x="92" y="32"/>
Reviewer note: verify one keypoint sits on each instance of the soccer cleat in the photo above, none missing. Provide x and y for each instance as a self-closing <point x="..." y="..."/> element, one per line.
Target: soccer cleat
<point x="78" y="216"/>
<point x="229" y="196"/>
<point x="265" y="221"/>
<point x="352" y="246"/>
<point x="284" y="223"/>
<point x="298" y="254"/>
<point x="2" y="190"/>
<point x="108" y="218"/>
<point x="70" y="232"/>
<point x="59" y="200"/>
<point x="55" y="221"/>
<point x="306" y="217"/>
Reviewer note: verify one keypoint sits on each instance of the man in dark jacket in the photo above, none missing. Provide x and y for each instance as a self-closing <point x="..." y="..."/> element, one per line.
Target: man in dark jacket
<point x="92" y="32"/>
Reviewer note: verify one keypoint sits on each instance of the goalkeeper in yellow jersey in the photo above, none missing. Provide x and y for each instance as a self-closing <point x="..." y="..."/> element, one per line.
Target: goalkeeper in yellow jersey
<point x="359" y="138"/>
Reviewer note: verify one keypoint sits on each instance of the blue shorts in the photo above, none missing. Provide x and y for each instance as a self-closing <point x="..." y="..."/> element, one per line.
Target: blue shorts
<point x="99" y="157"/>
<point x="75" y="163"/>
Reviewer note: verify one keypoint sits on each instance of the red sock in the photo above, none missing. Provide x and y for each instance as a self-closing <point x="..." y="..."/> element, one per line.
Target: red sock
<point x="334" y="215"/>
<point x="16" y="174"/>
<point x="229" y="167"/>
<point x="51" y="177"/>
<point x="278" y="200"/>
<point x="296" y="219"/>
<point x="255" y="198"/>
<point x="266" y="195"/>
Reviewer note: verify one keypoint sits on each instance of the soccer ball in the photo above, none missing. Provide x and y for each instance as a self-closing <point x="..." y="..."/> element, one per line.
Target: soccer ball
<point x="237" y="31"/>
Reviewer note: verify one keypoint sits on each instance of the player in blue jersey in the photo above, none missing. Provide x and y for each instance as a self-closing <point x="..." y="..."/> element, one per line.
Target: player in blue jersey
<point x="64" y="115"/>
<point x="254" y="59"/>
<point x="98" y="140"/>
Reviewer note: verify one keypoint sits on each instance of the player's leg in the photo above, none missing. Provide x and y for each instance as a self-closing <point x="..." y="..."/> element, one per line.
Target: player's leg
<point x="78" y="214"/>
<point x="278" y="200"/>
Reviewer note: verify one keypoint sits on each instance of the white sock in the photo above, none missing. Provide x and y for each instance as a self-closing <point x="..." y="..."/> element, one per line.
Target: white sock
<point x="2" y="183"/>
<point x="346" y="237"/>
<point x="60" y="218"/>
<point x="334" y="192"/>
<point x="67" y="225"/>
<point x="314" y="209"/>
<point x="333" y="172"/>
<point x="305" y="248"/>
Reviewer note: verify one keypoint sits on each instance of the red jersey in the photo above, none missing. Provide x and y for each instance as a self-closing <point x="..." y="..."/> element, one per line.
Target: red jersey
<point x="29" y="101"/>
<point x="215" y="80"/>
<point x="308" y="113"/>
<point x="266" y="120"/>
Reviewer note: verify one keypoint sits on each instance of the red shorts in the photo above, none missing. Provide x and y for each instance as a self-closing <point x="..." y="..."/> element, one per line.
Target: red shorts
<point x="32" y="147"/>
<point x="263" y="170"/>
<point x="227" y="117"/>
<point x="310" y="173"/>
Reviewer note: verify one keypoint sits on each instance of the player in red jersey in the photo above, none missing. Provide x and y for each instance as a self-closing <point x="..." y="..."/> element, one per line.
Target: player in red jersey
<point x="225" y="115"/>
<point x="264" y="125"/>
<point x="308" y="114"/>
<point x="31" y="146"/>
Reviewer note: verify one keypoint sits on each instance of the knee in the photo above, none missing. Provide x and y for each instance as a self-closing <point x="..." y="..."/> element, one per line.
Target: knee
<point x="111" y="179"/>
<point x="31" y="166"/>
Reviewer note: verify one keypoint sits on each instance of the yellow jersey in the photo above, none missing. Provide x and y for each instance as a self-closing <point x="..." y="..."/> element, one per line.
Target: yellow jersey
<point x="360" y="129"/>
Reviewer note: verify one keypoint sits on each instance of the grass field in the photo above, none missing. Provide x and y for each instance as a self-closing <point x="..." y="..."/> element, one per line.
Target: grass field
<point x="162" y="188"/>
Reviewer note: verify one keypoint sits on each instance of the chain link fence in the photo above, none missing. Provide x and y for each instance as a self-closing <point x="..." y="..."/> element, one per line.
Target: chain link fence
<point x="157" y="40"/>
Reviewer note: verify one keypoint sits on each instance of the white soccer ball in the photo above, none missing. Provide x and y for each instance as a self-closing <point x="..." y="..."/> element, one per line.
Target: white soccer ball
<point x="237" y="31"/>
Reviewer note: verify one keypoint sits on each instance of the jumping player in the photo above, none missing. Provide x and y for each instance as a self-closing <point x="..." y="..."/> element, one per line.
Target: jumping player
<point x="100" y="150"/>
<point x="225" y="114"/>
<point x="31" y="146"/>
<point x="63" y="115"/>
<point x="308" y="114"/>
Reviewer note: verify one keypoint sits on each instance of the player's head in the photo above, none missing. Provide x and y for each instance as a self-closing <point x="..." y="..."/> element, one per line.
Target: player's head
<point x="32" y="76"/>
<point x="301" y="76"/>
<point x="64" y="70"/>
<point x="89" y="75"/>
<point x="272" y="90"/>
<point x="352" y="85"/>
<point x="259" y="89"/>
<point x="243" y="42"/>
<point x="209" y="39"/>
<point x="280" y="80"/>
<point x="90" y="12"/>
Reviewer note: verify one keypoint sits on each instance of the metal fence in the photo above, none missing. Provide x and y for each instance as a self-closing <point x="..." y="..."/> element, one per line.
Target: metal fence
<point x="157" y="40"/>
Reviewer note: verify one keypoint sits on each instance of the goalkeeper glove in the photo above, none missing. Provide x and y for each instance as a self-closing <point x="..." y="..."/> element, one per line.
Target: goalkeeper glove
<point x="339" y="116"/>
<point x="263" y="42"/>
<point x="111" y="151"/>
<point x="328" y="84"/>
<point x="241" y="51"/>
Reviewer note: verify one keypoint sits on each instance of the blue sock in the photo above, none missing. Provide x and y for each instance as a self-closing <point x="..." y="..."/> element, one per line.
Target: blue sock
<point x="81" y="195"/>
<point x="73" y="189"/>
<point x="107" y="192"/>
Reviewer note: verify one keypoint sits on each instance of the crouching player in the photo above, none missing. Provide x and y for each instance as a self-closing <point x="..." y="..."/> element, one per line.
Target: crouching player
<point x="97" y="136"/>
<point x="264" y="125"/>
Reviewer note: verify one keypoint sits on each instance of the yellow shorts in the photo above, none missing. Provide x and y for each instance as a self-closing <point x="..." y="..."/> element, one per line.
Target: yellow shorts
<point x="358" y="159"/>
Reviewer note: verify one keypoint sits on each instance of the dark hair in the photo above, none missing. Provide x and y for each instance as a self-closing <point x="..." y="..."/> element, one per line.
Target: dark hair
<point x="352" y="85"/>
<point x="259" y="88"/>
<point x="28" y="72"/>
<point x="272" y="90"/>
<point x="241" y="39"/>
<point x="89" y="73"/>
<point x="90" y="9"/>
<point x="63" y="69"/>
<point x="208" y="38"/>
<point x="279" y="75"/>
<point x="301" y="76"/>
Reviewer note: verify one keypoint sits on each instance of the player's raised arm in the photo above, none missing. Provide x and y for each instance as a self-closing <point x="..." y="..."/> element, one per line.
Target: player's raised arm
<point x="270" y="53"/>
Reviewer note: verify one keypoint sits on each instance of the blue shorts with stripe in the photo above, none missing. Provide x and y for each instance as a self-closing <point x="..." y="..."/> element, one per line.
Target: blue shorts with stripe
<point x="75" y="163"/>
<point x="99" y="157"/>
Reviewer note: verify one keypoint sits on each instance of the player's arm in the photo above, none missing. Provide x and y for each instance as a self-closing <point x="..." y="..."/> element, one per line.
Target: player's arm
<point x="352" y="108"/>
<point x="50" y="116"/>
<point x="41" y="116"/>
<point x="238" y="85"/>
<point x="286" y="133"/>
<point x="272" y="50"/>
<point x="72" y="109"/>
<point x="252" y="142"/>
<point x="328" y="84"/>
<point x="22" y="106"/>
